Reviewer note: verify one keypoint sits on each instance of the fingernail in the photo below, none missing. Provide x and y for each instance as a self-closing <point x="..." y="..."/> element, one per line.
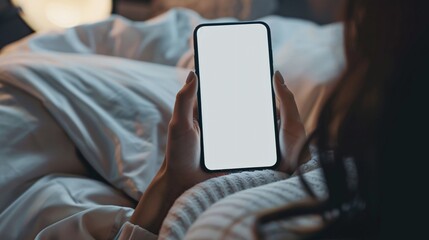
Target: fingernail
<point x="190" y="77"/>
<point x="279" y="77"/>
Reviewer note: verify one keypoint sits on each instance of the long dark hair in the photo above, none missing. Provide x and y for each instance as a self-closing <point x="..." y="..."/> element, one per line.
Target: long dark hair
<point x="359" y="125"/>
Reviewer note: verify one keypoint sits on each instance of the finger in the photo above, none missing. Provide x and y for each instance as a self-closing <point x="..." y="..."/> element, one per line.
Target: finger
<point x="196" y="116"/>
<point x="289" y="113"/>
<point x="183" y="107"/>
<point x="277" y="109"/>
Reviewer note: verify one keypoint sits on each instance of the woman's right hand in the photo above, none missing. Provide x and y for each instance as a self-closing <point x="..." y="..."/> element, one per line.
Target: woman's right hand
<point x="291" y="129"/>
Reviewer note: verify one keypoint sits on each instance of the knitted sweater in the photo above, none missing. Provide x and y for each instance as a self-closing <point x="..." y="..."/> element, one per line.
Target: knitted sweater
<point x="226" y="207"/>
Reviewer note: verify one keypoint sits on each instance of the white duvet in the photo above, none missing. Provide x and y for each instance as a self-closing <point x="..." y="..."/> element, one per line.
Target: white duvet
<point x="84" y="114"/>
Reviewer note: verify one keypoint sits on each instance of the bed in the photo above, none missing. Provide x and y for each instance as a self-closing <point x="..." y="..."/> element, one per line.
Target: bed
<point x="84" y="115"/>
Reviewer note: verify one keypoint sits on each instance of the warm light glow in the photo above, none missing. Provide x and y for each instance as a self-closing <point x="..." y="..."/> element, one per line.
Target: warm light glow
<point x="63" y="15"/>
<point x="44" y="15"/>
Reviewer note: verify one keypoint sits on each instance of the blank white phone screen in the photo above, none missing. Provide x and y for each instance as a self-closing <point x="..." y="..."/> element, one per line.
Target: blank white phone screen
<point x="236" y="100"/>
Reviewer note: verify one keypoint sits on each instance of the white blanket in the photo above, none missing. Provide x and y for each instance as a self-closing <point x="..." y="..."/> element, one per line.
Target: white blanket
<point x="84" y="114"/>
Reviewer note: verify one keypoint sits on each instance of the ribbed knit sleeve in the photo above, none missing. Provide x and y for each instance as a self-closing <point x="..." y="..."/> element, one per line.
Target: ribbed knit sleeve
<point x="196" y="200"/>
<point x="233" y="216"/>
<point x="211" y="207"/>
<point x="130" y="231"/>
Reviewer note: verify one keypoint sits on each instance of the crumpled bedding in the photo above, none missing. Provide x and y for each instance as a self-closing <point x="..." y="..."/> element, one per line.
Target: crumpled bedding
<point x="84" y="115"/>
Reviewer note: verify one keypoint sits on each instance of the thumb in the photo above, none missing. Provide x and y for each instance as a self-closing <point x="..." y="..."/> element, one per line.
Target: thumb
<point x="288" y="109"/>
<point x="183" y="107"/>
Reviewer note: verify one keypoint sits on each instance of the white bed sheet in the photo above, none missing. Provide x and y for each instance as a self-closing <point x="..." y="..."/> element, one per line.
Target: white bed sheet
<point x="104" y="92"/>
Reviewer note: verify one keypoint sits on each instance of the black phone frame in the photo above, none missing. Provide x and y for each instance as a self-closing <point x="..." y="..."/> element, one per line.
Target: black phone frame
<point x="276" y="127"/>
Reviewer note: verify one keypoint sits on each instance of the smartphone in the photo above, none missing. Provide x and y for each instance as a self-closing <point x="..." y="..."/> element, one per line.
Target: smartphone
<point x="236" y="100"/>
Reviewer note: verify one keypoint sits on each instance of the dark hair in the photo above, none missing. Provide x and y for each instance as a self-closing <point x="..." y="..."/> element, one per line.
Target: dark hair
<point x="361" y="121"/>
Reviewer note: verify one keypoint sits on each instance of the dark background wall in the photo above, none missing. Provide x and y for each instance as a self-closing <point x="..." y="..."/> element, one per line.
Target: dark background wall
<point x="12" y="27"/>
<point x="319" y="11"/>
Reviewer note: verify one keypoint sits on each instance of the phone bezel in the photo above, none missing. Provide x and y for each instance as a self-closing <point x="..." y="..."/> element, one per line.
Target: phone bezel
<point x="196" y="62"/>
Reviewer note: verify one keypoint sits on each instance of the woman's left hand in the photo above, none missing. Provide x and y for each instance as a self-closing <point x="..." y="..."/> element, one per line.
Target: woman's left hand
<point x="181" y="167"/>
<point x="182" y="159"/>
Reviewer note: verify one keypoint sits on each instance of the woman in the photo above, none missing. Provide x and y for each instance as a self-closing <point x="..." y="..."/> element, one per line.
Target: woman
<point x="357" y="130"/>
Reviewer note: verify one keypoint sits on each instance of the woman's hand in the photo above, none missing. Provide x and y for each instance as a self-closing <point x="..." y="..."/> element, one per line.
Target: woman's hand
<point x="181" y="167"/>
<point x="182" y="161"/>
<point x="291" y="129"/>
